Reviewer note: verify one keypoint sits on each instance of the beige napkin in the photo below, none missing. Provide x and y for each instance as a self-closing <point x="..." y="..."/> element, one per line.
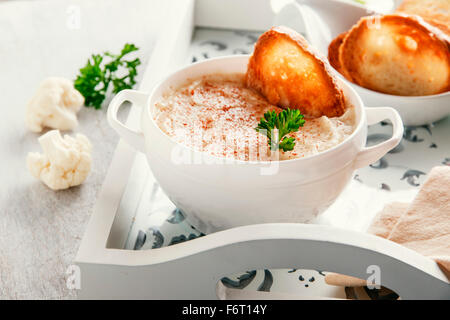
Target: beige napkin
<point x="423" y="226"/>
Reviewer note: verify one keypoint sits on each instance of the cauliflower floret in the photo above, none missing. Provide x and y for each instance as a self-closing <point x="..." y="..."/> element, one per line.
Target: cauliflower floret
<point x="66" y="162"/>
<point x="55" y="105"/>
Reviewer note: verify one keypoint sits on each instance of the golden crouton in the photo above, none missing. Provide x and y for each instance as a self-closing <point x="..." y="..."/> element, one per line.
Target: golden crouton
<point x="286" y="71"/>
<point x="396" y="54"/>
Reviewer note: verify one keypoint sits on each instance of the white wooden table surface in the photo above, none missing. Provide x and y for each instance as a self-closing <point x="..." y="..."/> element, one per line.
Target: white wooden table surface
<point x="40" y="229"/>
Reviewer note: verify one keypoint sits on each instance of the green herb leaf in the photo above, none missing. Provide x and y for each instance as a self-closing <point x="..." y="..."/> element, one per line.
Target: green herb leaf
<point x="287" y="121"/>
<point x="95" y="77"/>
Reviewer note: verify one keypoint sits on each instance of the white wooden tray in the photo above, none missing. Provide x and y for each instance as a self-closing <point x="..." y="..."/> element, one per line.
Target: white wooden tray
<point x="137" y="245"/>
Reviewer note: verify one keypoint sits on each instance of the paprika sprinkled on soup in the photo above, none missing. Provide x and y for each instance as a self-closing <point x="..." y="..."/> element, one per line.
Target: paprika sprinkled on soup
<point x="218" y="114"/>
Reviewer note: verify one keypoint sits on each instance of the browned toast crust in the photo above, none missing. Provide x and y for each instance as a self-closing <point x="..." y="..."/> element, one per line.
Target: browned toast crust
<point x="288" y="73"/>
<point x="333" y="51"/>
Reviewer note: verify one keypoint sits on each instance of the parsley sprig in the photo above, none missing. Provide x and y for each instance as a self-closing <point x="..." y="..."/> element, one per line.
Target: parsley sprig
<point x="287" y="121"/>
<point x="95" y="77"/>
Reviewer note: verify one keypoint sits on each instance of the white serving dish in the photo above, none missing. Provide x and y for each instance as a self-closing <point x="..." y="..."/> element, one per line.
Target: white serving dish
<point x="107" y="269"/>
<point x="415" y="111"/>
<point x="216" y="194"/>
<point x="323" y="20"/>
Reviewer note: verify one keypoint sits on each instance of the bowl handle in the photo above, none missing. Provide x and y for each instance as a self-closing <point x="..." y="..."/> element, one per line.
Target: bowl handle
<point x="133" y="137"/>
<point x="369" y="155"/>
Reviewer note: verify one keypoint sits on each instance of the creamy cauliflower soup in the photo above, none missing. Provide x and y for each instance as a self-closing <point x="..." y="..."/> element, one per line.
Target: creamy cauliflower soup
<point x="217" y="114"/>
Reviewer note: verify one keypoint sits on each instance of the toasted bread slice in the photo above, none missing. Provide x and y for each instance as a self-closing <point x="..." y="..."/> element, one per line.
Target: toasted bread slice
<point x="286" y="71"/>
<point x="435" y="12"/>
<point x="333" y="51"/>
<point x="397" y="54"/>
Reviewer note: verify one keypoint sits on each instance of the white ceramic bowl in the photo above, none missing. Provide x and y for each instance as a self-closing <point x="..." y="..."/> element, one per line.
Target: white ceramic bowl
<point x="415" y="111"/>
<point x="216" y="194"/>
